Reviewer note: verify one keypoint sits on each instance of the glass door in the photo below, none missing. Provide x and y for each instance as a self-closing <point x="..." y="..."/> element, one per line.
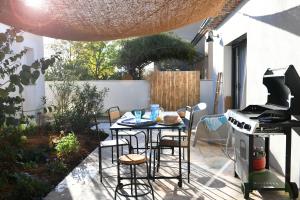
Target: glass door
<point x="239" y="53"/>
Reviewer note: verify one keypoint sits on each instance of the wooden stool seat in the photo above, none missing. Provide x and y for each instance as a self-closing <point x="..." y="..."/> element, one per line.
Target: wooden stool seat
<point x="132" y="159"/>
<point x="173" y="143"/>
<point x="167" y="133"/>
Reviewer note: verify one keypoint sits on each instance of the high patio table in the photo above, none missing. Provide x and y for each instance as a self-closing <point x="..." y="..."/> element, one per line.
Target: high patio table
<point x="149" y="146"/>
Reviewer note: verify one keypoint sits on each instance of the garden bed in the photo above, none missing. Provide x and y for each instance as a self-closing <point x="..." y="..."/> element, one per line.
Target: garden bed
<point x="39" y="169"/>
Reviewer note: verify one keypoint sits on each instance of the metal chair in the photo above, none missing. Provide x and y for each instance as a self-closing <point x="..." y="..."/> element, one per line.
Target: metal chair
<point x="199" y="111"/>
<point x="106" y="144"/>
<point x="171" y="139"/>
<point x="218" y="136"/>
<point x="114" y="114"/>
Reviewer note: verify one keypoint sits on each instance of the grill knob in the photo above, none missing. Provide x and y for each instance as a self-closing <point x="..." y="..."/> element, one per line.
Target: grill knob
<point x="247" y="127"/>
<point x="235" y="122"/>
<point x="241" y="124"/>
<point x="229" y="119"/>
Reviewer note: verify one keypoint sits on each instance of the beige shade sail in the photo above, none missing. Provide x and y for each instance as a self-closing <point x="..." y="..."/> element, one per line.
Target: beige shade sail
<point x="89" y="20"/>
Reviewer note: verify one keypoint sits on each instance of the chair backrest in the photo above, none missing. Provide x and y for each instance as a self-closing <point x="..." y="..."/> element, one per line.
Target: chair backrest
<point x="113" y="114"/>
<point x="200" y="110"/>
<point x="188" y="120"/>
<point x="201" y="106"/>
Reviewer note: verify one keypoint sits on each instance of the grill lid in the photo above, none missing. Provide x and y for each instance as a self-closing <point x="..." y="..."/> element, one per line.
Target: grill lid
<point x="283" y="88"/>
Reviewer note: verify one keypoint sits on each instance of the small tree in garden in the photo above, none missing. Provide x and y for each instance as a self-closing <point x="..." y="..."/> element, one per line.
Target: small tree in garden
<point x="75" y="105"/>
<point x="137" y="53"/>
<point x="15" y="75"/>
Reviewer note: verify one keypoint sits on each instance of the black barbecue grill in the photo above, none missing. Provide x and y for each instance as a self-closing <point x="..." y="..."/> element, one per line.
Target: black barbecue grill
<point x="253" y="126"/>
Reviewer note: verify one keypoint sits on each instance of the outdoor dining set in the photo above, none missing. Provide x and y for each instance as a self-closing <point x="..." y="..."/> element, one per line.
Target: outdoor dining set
<point x="159" y="130"/>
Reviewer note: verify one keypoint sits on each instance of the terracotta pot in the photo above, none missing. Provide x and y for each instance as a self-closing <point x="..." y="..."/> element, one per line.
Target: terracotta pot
<point x="259" y="163"/>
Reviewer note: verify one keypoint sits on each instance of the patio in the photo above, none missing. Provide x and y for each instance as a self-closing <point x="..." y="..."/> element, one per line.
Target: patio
<point x="235" y="43"/>
<point x="211" y="178"/>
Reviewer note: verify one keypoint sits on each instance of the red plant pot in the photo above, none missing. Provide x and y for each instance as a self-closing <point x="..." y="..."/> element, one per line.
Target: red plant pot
<point x="259" y="163"/>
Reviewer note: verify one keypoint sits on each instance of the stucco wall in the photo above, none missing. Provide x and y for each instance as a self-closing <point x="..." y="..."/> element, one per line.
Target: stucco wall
<point x="207" y="94"/>
<point x="273" y="29"/>
<point x="32" y="93"/>
<point x="131" y="94"/>
<point x="127" y="94"/>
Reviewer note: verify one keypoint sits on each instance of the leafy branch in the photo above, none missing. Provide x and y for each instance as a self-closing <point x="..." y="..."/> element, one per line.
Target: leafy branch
<point x="16" y="75"/>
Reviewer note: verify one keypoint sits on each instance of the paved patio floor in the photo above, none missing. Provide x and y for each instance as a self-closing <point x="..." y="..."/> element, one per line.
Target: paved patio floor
<point x="211" y="178"/>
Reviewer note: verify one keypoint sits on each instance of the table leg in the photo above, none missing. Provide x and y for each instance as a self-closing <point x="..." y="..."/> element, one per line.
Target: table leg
<point x="149" y="132"/>
<point x="118" y="163"/>
<point x="180" y="174"/>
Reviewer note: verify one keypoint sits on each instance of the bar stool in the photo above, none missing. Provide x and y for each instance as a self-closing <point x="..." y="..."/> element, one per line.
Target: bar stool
<point x="108" y="143"/>
<point x="133" y="160"/>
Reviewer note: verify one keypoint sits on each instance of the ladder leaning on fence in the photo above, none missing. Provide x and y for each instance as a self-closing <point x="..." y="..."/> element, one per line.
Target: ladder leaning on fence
<point x="217" y="95"/>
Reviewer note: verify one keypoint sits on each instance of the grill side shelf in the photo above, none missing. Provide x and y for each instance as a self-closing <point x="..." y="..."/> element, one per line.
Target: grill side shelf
<point x="284" y="124"/>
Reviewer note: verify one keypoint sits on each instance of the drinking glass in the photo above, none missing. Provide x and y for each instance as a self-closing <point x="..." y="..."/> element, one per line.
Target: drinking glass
<point x="138" y="115"/>
<point x="154" y="111"/>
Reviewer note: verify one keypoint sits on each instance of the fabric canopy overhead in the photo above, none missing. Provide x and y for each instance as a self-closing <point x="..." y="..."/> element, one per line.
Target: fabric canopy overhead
<point x="89" y="20"/>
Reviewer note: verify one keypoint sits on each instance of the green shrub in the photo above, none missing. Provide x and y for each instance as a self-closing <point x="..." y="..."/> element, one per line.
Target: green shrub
<point x="76" y="105"/>
<point x="29" y="187"/>
<point x="67" y="145"/>
<point x="29" y="129"/>
<point x="56" y="166"/>
<point x="86" y="101"/>
<point x="62" y="121"/>
<point x="10" y="148"/>
<point x="30" y="165"/>
<point x="38" y="155"/>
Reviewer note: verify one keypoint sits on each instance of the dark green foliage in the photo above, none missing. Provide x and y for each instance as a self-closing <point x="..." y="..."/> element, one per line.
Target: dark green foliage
<point x="175" y="65"/>
<point x="13" y="154"/>
<point x="56" y="166"/>
<point x="38" y="155"/>
<point x="30" y="164"/>
<point x="10" y="149"/>
<point x="16" y="76"/>
<point x="86" y="101"/>
<point x="28" y="187"/>
<point x="76" y="105"/>
<point x="136" y="53"/>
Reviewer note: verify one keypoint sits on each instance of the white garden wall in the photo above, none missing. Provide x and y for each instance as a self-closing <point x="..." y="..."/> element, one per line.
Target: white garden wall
<point x="207" y="94"/>
<point x="127" y="94"/>
<point x="273" y="29"/>
<point x="131" y="94"/>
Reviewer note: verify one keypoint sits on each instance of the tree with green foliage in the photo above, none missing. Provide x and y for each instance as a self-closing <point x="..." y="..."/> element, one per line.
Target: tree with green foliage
<point x="135" y="54"/>
<point x="97" y="58"/>
<point x="68" y="67"/>
<point x="15" y="75"/>
<point x="83" y="61"/>
<point x="176" y="65"/>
